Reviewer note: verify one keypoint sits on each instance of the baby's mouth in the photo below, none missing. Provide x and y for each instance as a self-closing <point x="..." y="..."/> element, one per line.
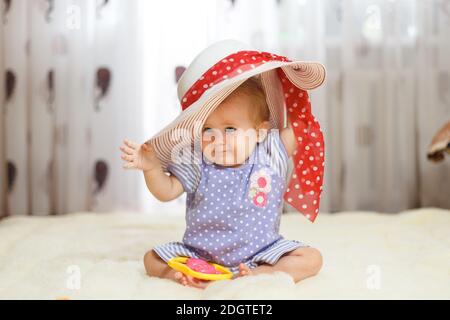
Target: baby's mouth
<point x="219" y="152"/>
<point x="222" y="156"/>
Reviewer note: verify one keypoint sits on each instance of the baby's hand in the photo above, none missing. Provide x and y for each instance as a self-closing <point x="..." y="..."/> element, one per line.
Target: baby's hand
<point x="140" y="157"/>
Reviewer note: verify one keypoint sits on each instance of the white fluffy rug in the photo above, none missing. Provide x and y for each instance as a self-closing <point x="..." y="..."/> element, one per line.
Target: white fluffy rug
<point x="366" y="256"/>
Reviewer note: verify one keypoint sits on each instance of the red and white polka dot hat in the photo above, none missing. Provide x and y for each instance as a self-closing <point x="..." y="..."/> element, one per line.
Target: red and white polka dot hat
<point x="221" y="68"/>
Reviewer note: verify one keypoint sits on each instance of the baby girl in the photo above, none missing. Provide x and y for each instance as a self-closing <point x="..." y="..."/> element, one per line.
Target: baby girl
<point x="234" y="194"/>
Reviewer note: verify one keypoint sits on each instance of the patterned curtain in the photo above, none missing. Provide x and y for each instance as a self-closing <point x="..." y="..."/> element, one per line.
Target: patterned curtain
<point x="71" y="84"/>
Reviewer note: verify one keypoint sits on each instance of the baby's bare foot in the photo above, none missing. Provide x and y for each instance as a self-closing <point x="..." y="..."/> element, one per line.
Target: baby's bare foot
<point x="190" y="281"/>
<point x="244" y="270"/>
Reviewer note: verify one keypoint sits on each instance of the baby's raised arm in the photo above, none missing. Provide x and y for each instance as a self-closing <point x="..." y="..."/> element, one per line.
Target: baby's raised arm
<point x="143" y="157"/>
<point x="288" y="137"/>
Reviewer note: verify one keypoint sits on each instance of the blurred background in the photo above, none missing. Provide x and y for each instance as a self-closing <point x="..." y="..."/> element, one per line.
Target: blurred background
<point x="78" y="76"/>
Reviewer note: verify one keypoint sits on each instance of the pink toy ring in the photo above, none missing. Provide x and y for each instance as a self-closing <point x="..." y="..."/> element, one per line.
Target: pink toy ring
<point x="200" y="269"/>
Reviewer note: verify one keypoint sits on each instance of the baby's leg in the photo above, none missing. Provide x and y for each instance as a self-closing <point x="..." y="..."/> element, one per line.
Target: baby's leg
<point x="301" y="263"/>
<point x="156" y="267"/>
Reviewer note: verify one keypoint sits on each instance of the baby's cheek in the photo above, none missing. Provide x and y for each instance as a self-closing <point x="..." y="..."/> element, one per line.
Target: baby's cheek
<point x="238" y="141"/>
<point x="240" y="153"/>
<point x="243" y="145"/>
<point x="207" y="150"/>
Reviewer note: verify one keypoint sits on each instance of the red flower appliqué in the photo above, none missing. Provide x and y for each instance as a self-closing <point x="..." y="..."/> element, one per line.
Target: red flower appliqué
<point x="260" y="199"/>
<point x="260" y="186"/>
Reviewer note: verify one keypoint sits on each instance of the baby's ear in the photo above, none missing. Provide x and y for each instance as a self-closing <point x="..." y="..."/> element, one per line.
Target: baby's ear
<point x="263" y="130"/>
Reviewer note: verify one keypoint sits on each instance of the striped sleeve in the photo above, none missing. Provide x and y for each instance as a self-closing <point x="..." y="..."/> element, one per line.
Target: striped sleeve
<point x="276" y="152"/>
<point x="187" y="172"/>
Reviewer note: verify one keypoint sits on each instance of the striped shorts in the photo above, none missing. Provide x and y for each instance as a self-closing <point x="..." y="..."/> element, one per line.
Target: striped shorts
<point x="269" y="255"/>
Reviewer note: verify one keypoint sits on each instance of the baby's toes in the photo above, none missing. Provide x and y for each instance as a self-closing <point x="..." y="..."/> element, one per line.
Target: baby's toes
<point x="181" y="278"/>
<point x="244" y="270"/>
<point x="197" y="283"/>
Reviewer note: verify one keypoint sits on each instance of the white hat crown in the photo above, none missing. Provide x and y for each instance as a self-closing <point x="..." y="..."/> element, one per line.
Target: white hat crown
<point x="205" y="60"/>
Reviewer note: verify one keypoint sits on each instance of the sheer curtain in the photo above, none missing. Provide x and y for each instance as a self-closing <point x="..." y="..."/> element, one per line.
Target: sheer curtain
<point x="78" y="76"/>
<point x="387" y="90"/>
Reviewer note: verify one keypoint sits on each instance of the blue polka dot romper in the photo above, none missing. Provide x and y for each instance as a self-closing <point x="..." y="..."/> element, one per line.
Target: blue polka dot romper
<point x="233" y="214"/>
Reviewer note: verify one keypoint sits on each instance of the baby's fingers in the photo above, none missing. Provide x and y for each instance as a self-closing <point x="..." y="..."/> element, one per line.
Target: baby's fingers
<point x="127" y="157"/>
<point x="130" y="144"/>
<point x="126" y="150"/>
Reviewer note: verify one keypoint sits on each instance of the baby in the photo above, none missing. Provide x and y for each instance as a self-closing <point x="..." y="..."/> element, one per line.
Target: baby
<point x="234" y="194"/>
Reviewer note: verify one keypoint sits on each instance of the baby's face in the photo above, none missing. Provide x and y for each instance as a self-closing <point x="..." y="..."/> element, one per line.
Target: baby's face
<point x="229" y="135"/>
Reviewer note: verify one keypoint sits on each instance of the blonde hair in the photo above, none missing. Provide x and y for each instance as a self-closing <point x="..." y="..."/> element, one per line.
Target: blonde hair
<point x="253" y="89"/>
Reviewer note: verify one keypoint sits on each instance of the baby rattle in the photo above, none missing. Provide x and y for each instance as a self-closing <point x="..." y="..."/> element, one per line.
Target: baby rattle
<point x="200" y="269"/>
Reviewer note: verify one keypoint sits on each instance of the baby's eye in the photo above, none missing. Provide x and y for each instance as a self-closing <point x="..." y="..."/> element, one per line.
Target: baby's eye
<point x="230" y="129"/>
<point x="207" y="130"/>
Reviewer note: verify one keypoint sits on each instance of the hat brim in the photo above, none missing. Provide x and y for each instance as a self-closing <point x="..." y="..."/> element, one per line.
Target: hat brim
<point x="187" y="126"/>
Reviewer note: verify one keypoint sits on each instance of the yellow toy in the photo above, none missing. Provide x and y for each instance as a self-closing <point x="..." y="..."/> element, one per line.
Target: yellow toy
<point x="200" y="269"/>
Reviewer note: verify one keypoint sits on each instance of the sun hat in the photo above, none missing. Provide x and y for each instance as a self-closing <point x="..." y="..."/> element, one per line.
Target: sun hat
<point x="222" y="67"/>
